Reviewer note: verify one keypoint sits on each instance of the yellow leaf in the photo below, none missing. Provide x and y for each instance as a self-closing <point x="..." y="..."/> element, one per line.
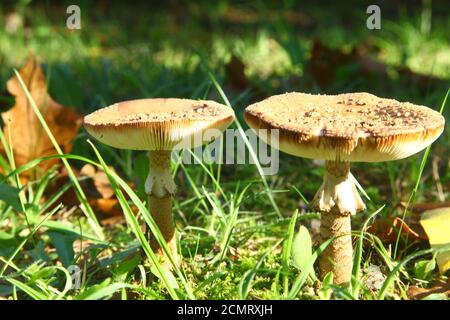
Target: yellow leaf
<point x="436" y="224"/>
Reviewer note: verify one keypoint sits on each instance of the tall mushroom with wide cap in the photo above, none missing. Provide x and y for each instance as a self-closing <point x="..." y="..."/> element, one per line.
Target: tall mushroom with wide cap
<point x="340" y="129"/>
<point x="159" y="126"/>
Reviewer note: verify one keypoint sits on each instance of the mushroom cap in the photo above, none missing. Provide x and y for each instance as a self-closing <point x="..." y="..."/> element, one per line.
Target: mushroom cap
<point x="159" y="124"/>
<point x="348" y="127"/>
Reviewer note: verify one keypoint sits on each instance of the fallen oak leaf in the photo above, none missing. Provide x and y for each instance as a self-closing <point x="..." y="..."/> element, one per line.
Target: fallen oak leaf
<point x="105" y="205"/>
<point x="421" y="207"/>
<point x="108" y="211"/>
<point x="418" y="293"/>
<point x="417" y="209"/>
<point x="100" y="179"/>
<point x="387" y="230"/>
<point x="100" y="195"/>
<point x="22" y="127"/>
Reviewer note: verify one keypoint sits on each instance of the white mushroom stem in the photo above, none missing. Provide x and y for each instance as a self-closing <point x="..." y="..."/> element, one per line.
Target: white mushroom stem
<point x="161" y="188"/>
<point x="337" y="199"/>
<point x="159" y="181"/>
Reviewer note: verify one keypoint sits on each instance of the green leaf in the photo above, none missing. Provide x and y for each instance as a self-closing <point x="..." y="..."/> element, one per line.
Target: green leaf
<point x="10" y="196"/>
<point x="44" y="273"/>
<point x="303" y="276"/>
<point x="302" y="250"/>
<point x="7" y="243"/>
<point x="102" y="290"/>
<point x="63" y="243"/>
<point x="91" y="291"/>
<point x="287" y="252"/>
<point x="33" y="293"/>
<point x="287" y="246"/>
<point x="169" y="275"/>
<point x="326" y="290"/>
<point x="127" y="265"/>
<point x="423" y="269"/>
<point x="436" y="296"/>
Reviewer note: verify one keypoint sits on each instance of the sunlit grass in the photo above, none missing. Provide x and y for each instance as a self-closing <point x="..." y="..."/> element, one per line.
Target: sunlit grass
<point x="237" y="228"/>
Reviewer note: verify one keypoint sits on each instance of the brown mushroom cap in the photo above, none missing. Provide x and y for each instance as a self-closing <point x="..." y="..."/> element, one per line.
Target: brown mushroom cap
<point x="348" y="127"/>
<point x="158" y="124"/>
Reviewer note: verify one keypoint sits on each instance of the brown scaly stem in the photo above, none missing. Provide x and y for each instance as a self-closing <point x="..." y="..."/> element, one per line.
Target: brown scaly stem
<point x="337" y="199"/>
<point x="161" y="188"/>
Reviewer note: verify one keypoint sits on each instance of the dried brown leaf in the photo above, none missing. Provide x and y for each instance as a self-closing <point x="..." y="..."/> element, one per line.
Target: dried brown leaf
<point x="421" y="207"/>
<point x="387" y="230"/>
<point x="22" y="127"/>
<point x="100" y="180"/>
<point x="417" y="293"/>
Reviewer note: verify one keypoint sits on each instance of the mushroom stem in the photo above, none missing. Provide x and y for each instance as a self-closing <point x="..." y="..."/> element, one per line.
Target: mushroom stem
<point x="161" y="188"/>
<point x="337" y="199"/>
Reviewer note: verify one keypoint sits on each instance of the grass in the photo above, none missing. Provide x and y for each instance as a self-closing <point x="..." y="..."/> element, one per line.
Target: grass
<point x="239" y="231"/>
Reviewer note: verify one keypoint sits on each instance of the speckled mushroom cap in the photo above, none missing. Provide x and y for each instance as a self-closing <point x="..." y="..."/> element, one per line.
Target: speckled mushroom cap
<point x="158" y="124"/>
<point x="347" y="127"/>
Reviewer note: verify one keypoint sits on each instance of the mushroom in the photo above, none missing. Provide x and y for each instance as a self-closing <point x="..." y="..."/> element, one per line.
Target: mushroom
<point x="340" y="129"/>
<point x="159" y="126"/>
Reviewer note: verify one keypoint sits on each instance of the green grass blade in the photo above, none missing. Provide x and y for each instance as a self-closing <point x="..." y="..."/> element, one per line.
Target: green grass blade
<point x="33" y="231"/>
<point x="301" y="279"/>
<point x="104" y="292"/>
<point x="33" y="293"/>
<point x="358" y="255"/>
<point x="92" y="219"/>
<point x="248" y="277"/>
<point x="391" y="276"/>
<point x="215" y="180"/>
<point x="116" y="181"/>
<point x="247" y="143"/>
<point x="287" y="251"/>
<point x="416" y="187"/>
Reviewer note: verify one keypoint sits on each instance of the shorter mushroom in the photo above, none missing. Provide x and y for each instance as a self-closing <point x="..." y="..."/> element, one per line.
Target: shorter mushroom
<point x="340" y="129"/>
<point x="159" y="126"/>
